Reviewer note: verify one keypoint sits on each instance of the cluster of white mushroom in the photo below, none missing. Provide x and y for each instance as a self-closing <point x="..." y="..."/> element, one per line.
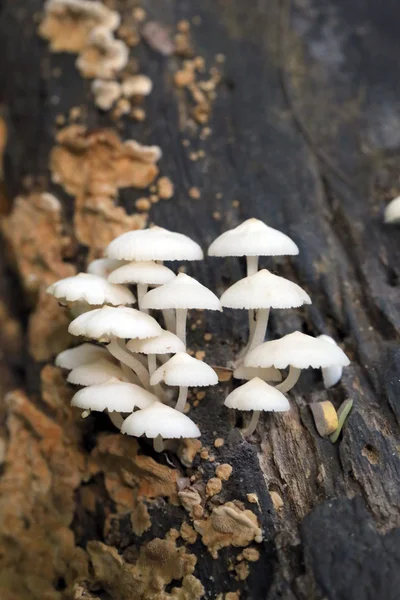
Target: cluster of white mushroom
<point x="258" y="293"/>
<point x="118" y="378"/>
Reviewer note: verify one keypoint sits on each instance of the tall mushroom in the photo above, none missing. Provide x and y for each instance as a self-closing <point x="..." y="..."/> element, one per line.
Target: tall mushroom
<point x="184" y="371"/>
<point x="299" y="351"/>
<point x="261" y="292"/>
<point x="113" y="325"/>
<point x="159" y="422"/>
<point x="256" y="395"/>
<point x="143" y="273"/>
<point x="182" y="293"/>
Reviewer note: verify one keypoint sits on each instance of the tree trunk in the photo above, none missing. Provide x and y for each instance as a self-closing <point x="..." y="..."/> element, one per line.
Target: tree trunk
<point x="303" y="134"/>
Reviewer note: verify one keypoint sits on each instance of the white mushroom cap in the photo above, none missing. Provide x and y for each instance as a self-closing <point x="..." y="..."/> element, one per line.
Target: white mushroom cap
<point x="166" y="343"/>
<point x="146" y="271"/>
<point x="181" y="292"/>
<point x="266" y="374"/>
<point x="253" y="238"/>
<point x="162" y="420"/>
<point x="257" y="395"/>
<point x="92" y="289"/>
<point x="102" y="267"/>
<point x="81" y="355"/>
<point x="120" y="322"/>
<point x="184" y="370"/>
<point x="392" y="211"/>
<point x="264" y="290"/>
<point x="95" y="372"/>
<point x="113" y="395"/>
<point x="155" y="243"/>
<point x="333" y="374"/>
<point x="298" y="350"/>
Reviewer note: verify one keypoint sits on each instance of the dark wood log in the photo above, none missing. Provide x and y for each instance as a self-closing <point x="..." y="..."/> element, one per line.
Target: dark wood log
<point x="305" y="135"/>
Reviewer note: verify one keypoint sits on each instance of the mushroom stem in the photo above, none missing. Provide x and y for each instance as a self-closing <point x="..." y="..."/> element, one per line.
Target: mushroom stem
<point x="290" y="380"/>
<point x="116" y="419"/>
<point x="117" y="349"/>
<point x="253" y="423"/>
<point x="252" y="265"/>
<point x="181" y="316"/>
<point x="130" y="376"/>
<point x="141" y="291"/>
<point x="158" y="444"/>
<point x="151" y="363"/>
<point x="183" y="392"/>
<point x="169" y="319"/>
<point x="260" y="328"/>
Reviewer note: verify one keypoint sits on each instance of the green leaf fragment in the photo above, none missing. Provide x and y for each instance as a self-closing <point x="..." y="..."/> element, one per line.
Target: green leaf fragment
<point x="342" y="413"/>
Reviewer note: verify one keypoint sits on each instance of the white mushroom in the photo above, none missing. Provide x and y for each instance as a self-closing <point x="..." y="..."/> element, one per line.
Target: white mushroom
<point x="103" y="56"/>
<point x="261" y="292"/>
<point x="102" y="267"/>
<point x="143" y="273"/>
<point x="333" y="374"/>
<point x="165" y="343"/>
<point x="182" y="293"/>
<point x="155" y="243"/>
<point x="81" y="355"/>
<point x="91" y="289"/>
<point x="113" y="395"/>
<point x="105" y="93"/>
<point x="159" y="421"/>
<point x="267" y="374"/>
<point x="113" y="325"/>
<point x="183" y="370"/>
<point x="256" y="395"/>
<point x="392" y="211"/>
<point x="96" y="372"/>
<point x="299" y="351"/>
<point x="253" y="239"/>
<point x="136" y="85"/>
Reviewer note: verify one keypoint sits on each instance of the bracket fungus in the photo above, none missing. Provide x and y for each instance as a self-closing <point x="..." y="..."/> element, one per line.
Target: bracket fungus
<point x="155" y="243"/>
<point x="184" y="371"/>
<point x="90" y="289"/>
<point x="81" y="355"/>
<point x="333" y="374"/>
<point x="297" y="351"/>
<point x="159" y="422"/>
<point x="257" y="395"/>
<point x="252" y="239"/>
<point x="182" y="293"/>
<point x="105" y="93"/>
<point x="392" y="211"/>
<point x="102" y="56"/>
<point x="113" y="325"/>
<point x="261" y="292"/>
<point x="136" y="85"/>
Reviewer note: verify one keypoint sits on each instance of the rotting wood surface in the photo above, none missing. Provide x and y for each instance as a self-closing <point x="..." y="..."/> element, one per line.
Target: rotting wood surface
<point x="305" y="135"/>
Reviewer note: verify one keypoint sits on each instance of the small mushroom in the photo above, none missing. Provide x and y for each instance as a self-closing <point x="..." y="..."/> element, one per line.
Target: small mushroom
<point x="113" y="325"/>
<point x="182" y="293"/>
<point x="256" y="395"/>
<point x="143" y="273"/>
<point x="252" y="239"/>
<point x="81" y="355"/>
<point x="392" y="211"/>
<point x="102" y="267"/>
<point x="155" y="243"/>
<point x="90" y="289"/>
<point x="261" y="292"/>
<point x="299" y="351"/>
<point x="331" y="375"/>
<point x="159" y="422"/>
<point x="165" y="343"/>
<point x="113" y="395"/>
<point x="96" y="372"/>
<point x="183" y="370"/>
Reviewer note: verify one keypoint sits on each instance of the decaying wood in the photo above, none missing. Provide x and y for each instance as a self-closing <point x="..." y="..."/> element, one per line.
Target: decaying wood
<point x="303" y="132"/>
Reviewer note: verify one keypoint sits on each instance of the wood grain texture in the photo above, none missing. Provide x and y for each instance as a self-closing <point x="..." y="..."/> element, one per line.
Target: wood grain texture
<point x="306" y="135"/>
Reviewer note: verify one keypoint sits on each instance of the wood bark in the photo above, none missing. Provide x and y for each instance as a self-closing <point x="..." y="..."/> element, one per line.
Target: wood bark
<point x="305" y="135"/>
